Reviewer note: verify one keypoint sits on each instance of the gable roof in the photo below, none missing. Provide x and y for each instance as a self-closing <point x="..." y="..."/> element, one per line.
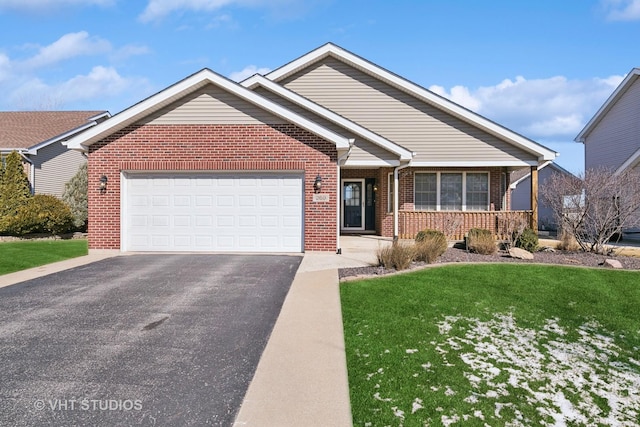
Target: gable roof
<point x="522" y="174"/>
<point x="28" y="131"/>
<point x="628" y="81"/>
<point x="260" y="81"/>
<point x="189" y="85"/>
<point x="330" y="49"/>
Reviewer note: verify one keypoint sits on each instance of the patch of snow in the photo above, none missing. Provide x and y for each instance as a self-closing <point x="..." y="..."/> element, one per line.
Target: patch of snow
<point x="416" y="405"/>
<point x="411" y="350"/>
<point x="447" y="421"/>
<point x="397" y="412"/>
<point x="376" y="396"/>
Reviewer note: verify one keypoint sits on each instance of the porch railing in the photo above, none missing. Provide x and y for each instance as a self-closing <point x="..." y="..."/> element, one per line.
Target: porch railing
<point x="456" y="224"/>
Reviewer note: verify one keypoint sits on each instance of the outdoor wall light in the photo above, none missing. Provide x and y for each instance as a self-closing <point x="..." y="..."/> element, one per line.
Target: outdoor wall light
<point x="317" y="185"/>
<point x="103" y="183"/>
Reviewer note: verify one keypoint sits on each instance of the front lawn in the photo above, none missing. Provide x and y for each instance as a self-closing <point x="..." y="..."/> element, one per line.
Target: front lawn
<point x="494" y="345"/>
<point x="16" y="256"/>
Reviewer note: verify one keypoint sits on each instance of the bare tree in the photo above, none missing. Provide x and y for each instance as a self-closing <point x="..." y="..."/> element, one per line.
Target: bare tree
<point x="596" y="206"/>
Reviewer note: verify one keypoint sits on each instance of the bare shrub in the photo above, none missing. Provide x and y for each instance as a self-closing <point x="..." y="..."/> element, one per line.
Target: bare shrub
<point x="398" y="256"/>
<point x="568" y="242"/>
<point x="481" y="241"/>
<point x="511" y="227"/>
<point x="430" y="244"/>
<point x="596" y="206"/>
<point x="451" y="224"/>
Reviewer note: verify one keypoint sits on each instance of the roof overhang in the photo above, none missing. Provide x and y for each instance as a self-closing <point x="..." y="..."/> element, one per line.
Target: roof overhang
<point x="552" y="165"/>
<point x="608" y="104"/>
<point x="541" y="152"/>
<point x="189" y="85"/>
<point x="91" y="121"/>
<point x="260" y="81"/>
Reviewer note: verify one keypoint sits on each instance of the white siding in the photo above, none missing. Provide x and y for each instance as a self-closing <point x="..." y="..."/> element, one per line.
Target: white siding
<point x="399" y="117"/>
<point x="617" y="136"/>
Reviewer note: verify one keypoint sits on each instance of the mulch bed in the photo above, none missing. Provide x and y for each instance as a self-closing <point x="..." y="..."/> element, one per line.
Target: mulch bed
<point x="460" y="255"/>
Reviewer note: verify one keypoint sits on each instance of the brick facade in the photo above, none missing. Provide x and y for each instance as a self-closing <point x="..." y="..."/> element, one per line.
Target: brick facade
<point x="212" y="148"/>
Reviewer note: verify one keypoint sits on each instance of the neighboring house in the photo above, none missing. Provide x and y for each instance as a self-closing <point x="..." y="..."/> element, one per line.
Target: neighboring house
<point x="38" y="137"/>
<point x="327" y="144"/>
<point x="521" y="192"/>
<point x="612" y="137"/>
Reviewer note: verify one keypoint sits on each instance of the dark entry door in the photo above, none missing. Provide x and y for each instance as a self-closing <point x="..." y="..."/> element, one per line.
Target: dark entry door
<point x="352" y="205"/>
<point x="370" y="204"/>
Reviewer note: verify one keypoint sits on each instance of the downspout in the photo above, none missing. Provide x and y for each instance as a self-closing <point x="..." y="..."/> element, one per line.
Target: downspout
<point x="341" y="159"/>
<point x="396" y="199"/>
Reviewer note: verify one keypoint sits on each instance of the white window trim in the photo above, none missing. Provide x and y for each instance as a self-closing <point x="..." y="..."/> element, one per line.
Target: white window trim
<point x="464" y="190"/>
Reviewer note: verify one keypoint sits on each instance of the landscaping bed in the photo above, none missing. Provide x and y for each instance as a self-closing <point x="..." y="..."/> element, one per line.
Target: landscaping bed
<point x="461" y="255"/>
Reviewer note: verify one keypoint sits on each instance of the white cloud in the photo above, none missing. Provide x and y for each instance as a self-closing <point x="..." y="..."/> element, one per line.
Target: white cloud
<point x="158" y="9"/>
<point x="68" y="46"/>
<point x="40" y="5"/>
<point x="130" y="50"/>
<point x="101" y="82"/>
<point x="622" y="10"/>
<point x="554" y="107"/>
<point x="248" y="71"/>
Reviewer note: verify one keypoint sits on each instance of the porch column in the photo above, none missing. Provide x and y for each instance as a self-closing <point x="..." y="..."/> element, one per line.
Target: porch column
<point x="534" y="198"/>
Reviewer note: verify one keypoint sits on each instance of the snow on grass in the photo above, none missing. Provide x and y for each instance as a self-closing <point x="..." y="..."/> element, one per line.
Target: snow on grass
<point x="545" y="366"/>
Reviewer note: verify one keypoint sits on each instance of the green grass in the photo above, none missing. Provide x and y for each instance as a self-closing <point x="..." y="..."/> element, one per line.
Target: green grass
<point x="494" y="344"/>
<point x="16" y="256"/>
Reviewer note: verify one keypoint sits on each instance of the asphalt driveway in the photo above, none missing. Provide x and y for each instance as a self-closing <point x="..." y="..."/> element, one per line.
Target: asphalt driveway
<point x="138" y="340"/>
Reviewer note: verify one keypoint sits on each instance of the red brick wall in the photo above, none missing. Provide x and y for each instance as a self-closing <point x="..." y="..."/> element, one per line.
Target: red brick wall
<point x="211" y="148"/>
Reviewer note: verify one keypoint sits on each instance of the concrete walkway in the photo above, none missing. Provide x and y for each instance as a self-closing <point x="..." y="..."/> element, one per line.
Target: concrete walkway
<point x="301" y="379"/>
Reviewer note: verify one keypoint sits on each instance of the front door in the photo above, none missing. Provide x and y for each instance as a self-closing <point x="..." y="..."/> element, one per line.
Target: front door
<point x="353" y="204"/>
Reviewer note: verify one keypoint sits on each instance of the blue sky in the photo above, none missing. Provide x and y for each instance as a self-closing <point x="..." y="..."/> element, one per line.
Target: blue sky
<point x="539" y="67"/>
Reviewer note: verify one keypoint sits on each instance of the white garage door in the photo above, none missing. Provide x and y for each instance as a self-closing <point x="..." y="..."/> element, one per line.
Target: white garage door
<point x="248" y="212"/>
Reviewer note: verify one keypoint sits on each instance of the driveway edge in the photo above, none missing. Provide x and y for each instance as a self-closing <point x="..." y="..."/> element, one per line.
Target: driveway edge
<point x="43" y="270"/>
<point x="301" y="379"/>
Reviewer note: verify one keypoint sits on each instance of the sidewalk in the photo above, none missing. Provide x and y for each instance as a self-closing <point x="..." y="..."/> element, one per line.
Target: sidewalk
<point x="301" y="379"/>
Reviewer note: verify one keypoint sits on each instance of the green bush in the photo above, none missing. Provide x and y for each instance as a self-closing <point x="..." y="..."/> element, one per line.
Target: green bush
<point x="528" y="240"/>
<point x="430" y="244"/>
<point x="40" y="214"/>
<point x="75" y="196"/>
<point x="397" y="256"/>
<point x="14" y="185"/>
<point x="481" y="241"/>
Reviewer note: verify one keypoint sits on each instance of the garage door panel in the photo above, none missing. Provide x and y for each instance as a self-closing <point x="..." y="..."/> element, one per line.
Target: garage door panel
<point x="215" y="212"/>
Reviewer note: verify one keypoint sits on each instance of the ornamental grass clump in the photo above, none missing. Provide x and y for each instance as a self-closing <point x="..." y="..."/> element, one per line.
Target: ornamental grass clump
<point x="481" y="241"/>
<point x="430" y="244"/>
<point x="398" y="256"/>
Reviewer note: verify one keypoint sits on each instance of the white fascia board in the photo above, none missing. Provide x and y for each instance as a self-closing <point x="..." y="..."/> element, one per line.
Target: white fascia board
<point x="371" y="163"/>
<point x="473" y="164"/>
<point x="604" y="109"/>
<point x="188" y="85"/>
<point x="631" y="162"/>
<point x="520" y="141"/>
<point x="34" y="150"/>
<point x="258" y="80"/>
<point x="550" y="164"/>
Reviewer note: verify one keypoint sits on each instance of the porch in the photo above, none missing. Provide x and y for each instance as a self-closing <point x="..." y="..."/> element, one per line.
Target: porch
<point x="456" y="224"/>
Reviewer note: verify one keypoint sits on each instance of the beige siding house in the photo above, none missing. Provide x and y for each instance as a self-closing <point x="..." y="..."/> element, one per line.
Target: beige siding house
<point x="430" y="157"/>
<point x="289" y="161"/>
<point x="39" y="136"/>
